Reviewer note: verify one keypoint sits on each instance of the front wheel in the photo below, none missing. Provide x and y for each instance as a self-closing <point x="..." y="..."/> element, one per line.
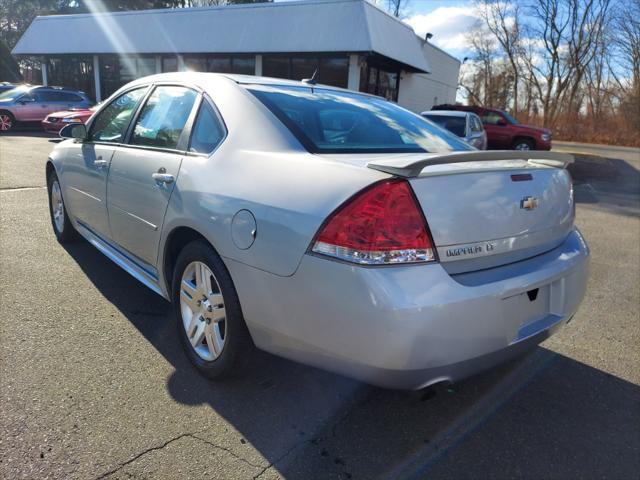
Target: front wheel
<point x="62" y="226"/>
<point x="208" y="314"/>
<point x="7" y="121"/>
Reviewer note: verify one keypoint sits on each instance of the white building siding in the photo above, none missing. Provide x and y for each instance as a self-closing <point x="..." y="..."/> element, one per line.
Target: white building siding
<point x="421" y="91"/>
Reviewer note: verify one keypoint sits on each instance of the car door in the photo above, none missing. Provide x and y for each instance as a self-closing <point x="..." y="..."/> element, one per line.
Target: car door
<point x="47" y="101"/>
<point x="477" y="135"/>
<point x="142" y="174"/>
<point x="498" y="132"/>
<point x="87" y="163"/>
<point x="27" y="108"/>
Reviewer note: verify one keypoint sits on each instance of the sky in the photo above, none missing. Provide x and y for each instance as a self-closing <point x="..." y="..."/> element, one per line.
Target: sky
<point x="447" y="20"/>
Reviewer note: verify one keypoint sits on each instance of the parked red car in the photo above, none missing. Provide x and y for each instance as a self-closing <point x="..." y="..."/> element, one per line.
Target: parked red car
<point x="504" y="132"/>
<point x="54" y="122"/>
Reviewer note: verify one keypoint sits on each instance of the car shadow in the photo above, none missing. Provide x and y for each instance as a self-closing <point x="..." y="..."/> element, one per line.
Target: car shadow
<point x="308" y="423"/>
<point x="607" y="183"/>
<point x="27" y="130"/>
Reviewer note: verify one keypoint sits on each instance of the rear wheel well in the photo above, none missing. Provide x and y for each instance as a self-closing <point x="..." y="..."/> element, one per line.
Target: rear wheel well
<point x="176" y="241"/>
<point x="519" y="138"/>
<point x="49" y="168"/>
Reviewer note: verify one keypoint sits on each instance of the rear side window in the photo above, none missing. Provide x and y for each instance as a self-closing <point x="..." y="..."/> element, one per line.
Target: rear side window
<point x="48" y="96"/>
<point x="70" y="97"/>
<point x="456" y="125"/>
<point x="207" y="132"/>
<point x="331" y="121"/>
<point x="163" y="117"/>
<point x="111" y="123"/>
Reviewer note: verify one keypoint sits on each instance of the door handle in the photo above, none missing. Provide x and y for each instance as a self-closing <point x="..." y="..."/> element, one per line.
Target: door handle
<point x="163" y="178"/>
<point x="100" y="163"/>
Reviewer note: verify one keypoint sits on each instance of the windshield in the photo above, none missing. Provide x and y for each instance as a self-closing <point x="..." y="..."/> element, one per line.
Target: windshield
<point x="329" y="121"/>
<point x="456" y="125"/>
<point x="510" y="119"/>
<point x="13" y="93"/>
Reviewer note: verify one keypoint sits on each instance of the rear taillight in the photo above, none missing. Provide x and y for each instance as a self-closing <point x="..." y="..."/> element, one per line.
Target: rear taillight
<point x="381" y="225"/>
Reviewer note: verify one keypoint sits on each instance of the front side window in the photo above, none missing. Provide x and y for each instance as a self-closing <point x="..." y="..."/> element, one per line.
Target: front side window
<point x="163" y="117"/>
<point x="111" y="123"/>
<point x="492" y="118"/>
<point x="14" y="93"/>
<point x="476" y="125"/>
<point x="330" y="121"/>
<point x="207" y="131"/>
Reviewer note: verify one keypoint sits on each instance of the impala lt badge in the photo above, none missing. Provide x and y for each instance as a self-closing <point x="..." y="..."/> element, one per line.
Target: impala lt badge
<point x="529" y="203"/>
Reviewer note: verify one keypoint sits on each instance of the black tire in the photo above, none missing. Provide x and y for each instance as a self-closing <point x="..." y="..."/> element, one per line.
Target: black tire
<point x="523" y="144"/>
<point x="62" y="227"/>
<point x="238" y="346"/>
<point x="7" y="121"/>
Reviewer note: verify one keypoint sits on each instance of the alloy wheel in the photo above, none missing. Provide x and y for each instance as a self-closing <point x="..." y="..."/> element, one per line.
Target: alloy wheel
<point x="203" y="311"/>
<point x="57" y="206"/>
<point x="523" y="146"/>
<point x="6" y="122"/>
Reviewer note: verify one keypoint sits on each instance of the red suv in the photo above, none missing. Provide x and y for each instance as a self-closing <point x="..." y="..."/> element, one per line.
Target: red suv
<point x="504" y="132"/>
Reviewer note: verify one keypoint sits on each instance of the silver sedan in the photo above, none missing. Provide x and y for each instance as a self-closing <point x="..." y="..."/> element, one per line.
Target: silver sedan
<point x="323" y="225"/>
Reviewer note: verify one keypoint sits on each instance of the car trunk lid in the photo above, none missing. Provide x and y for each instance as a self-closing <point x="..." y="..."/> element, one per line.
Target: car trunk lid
<point x="489" y="208"/>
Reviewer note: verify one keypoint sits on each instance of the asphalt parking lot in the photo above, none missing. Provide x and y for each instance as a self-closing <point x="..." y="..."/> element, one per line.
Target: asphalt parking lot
<point x="93" y="383"/>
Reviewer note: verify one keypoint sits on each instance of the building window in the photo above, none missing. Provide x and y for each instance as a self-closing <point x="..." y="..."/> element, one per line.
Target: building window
<point x="220" y="63"/>
<point x="277" y="67"/>
<point x="244" y="65"/>
<point x="117" y="70"/>
<point x="331" y="70"/>
<point x="380" y="81"/>
<point x="304" y="67"/>
<point x="72" y="71"/>
<point x="169" y="64"/>
<point x="334" y="71"/>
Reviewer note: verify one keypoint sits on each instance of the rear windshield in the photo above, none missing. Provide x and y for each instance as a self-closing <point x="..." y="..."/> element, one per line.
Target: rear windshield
<point x="330" y="121"/>
<point x="456" y="125"/>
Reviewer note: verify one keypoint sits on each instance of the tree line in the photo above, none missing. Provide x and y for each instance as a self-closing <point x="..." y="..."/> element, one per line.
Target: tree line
<point x="571" y="65"/>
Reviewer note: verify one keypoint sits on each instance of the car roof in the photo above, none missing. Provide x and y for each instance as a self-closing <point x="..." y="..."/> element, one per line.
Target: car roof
<point x="447" y="113"/>
<point x="241" y="80"/>
<point x="56" y="89"/>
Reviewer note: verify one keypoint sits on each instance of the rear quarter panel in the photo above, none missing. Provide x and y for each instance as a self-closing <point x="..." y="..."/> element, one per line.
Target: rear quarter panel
<point x="262" y="168"/>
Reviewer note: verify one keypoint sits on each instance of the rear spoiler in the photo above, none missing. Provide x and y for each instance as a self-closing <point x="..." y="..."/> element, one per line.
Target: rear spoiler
<point x="410" y="168"/>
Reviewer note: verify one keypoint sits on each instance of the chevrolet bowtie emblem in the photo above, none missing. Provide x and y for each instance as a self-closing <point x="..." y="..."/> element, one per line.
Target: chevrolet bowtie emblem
<point x="529" y="203"/>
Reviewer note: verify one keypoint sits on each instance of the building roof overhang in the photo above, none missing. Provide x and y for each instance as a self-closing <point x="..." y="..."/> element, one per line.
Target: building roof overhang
<point x="346" y="26"/>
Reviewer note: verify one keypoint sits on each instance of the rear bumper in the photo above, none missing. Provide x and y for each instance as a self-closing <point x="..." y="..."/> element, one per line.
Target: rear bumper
<point x="408" y="327"/>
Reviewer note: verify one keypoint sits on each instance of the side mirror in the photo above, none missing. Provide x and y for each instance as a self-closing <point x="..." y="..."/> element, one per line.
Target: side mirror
<point x="77" y="131"/>
<point x="501" y="123"/>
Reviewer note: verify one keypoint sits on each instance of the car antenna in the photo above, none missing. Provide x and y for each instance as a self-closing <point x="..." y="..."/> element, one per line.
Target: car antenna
<point x="313" y="80"/>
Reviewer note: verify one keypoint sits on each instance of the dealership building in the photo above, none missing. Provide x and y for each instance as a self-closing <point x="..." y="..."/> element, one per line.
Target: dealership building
<point x="352" y="43"/>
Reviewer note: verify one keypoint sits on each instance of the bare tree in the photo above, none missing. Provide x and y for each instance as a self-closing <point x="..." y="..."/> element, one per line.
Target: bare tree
<point x="502" y="19"/>
<point x="626" y="50"/>
<point x="569" y="31"/>
<point x="395" y="7"/>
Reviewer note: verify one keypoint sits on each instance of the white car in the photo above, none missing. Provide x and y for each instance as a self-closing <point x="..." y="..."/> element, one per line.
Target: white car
<point x="466" y="125"/>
